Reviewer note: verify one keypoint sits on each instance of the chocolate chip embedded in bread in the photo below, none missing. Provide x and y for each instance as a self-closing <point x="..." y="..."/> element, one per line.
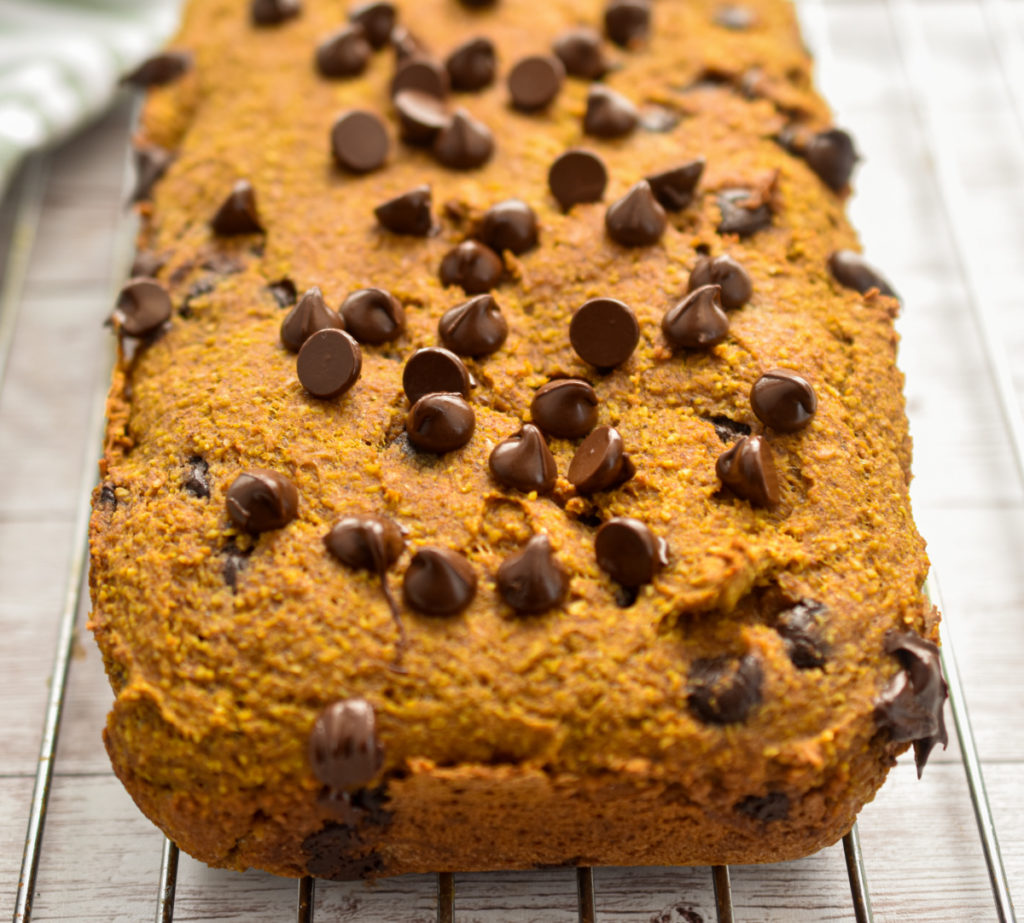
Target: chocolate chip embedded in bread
<point x="409" y="213"/>
<point x="197" y="478"/>
<point x="475" y="328"/>
<point x="151" y="163"/>
<point x="160" y="69"/>
<point x="284" y="292"/>
<point x="524" y="461"/>
<point x="832" y="156"/>
<point x="600" y="463"/>
<point x="344" y="53"/>
<point x="609" y="114"/>
<point x="748" y="469"/>
<point x="273" y="12"/>
<point x="577" y="176"/>
<point x="728" y="275"/>
<point x="565" y="407"/>
<point x="604" y="332"/>
<point x="851" y="270"/>
<point x="260" y="500"/>
<point x="365" y="542"/>
<point x="510" y="225"/>
<point x="696" y="322"/>
<point x="440" y="422"/>
<point x="344" y="751"/>
<point x="534" y="82"/>
<point x="336" y="852"/>
<point x="801" y="628"/>
<point x="472" y="64"/>
<point x="472" y="265"/>
<point x="674" y="188"/>
<point x="373" y="316"/>
<point x="766" y="808"/>
<point x="743" y="212"/>
<point x="238" y="213"/>
<point x="306" y="318"/>
<point x="377" y="20"/>
<point x="359" y="141"/>
<point x="439" y="581"/>
<point x="637" y="219"/>
<point x="783" y="400"/>
<point x="143" y="307"/>
<point x="629" y="552"/>
<point x="464" y="143"/>
<point x="532" y="580"/>
<point x="329" y="363"/>
<point x="581" y="53"/>
<point x="433" y="369"/>
<point x="627" y="22"/>
<point x="423" y="75"/>
<point x="725" y="690"/>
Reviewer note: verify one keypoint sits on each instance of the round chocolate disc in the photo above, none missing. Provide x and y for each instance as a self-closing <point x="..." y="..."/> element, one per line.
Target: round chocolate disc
<point x="329" y="363"/>
<point x="604" y="332"/>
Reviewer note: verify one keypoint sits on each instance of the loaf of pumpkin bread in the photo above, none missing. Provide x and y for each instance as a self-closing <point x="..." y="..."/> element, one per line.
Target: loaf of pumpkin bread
<point x="506" y="462"/>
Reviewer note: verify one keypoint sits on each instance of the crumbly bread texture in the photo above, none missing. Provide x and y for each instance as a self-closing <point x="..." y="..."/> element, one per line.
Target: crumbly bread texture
<point x="580" y="735"/>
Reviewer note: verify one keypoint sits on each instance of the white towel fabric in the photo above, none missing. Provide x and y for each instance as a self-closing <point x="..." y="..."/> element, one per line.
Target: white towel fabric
<point x="60" y="61"/>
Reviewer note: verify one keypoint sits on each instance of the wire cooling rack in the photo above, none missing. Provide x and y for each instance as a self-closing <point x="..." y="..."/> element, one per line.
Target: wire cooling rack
<point x="906" y="27"/>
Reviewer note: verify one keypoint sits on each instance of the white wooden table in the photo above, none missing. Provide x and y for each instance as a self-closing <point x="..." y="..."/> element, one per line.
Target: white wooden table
<point x="928" y="88"/>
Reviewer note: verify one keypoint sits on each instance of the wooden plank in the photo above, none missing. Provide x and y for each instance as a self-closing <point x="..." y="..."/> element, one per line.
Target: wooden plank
<point x="15" y="795"/>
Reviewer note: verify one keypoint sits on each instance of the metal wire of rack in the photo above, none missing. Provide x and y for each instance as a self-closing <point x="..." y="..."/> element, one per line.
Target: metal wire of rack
<point x="948" y="192"/>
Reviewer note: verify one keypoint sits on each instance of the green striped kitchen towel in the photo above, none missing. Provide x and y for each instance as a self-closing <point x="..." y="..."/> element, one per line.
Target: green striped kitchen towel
<point x="60" y="61"/>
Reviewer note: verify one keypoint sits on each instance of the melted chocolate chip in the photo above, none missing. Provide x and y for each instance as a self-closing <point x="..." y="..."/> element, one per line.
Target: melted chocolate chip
<point x="475" y="328"/>
<point x="577" y="176"/>
<point x="767" y="808"/>
<point x="509" y="225"/>
<point x="851" y="270"/>
<point x="195" y="291"/>
<point x="197" y="478"/>
<point x="600" y="463"/>
<point x="674" y="188"/>
<point x="151" y="163"/>
<point x="409" y="213"/>
<point x="464" y="143"/>
<point x="749" y="470"/>
<point x="329" y="363"/>
<point x="609" y="114"/>
<point x="359" y="141"/>
<point x="147" y="263"/>
<point x="743" y="212"/>
<point x="524" y="461"/>
<point x="235" y="561"/>
<point x="471" y="65"/>
<point x="581" y="54"/>
<point x="440" y="422"/>
<point x="420" y="117"/>
<point x="329" y="854"/>
<point x="696" y="322"/>
<point x="629" y="552"/>
<point x="728" y="275"/>
<point x="284" y="292"/>
<point x="344" y="751"/>
<point x="604" y="332"/>
<point x="432" y="370"/>
<point x="636" y="220"/>
<point x="532" y="580"/>
<point x="107" y="498"/>
<point x="160" y="69"/>
<point x="261" y="500"/>
<point x="732" y="16"/>
<point x="365" y="542"/>
<point x="373" y="316"/>
<point x="143" y="307"/>
<point x="474" y="266"/>
<point x="783" y="400"/>
<point x="377" y="20"/>
<point x="273" y="12"/>
<point x="534" y="82"/>
<point x="725" y="690"/>
<point x="627" y="22"/>
<point x="344" y="53"/>
<point x="800" y="627"/>
<point x="728" y="430"/>
<point x="237" y="213"/>
<point x="422" y="74"/>
<point x="566" y="407"/>
<point x="911" y="705"/>
<point x="832" y="156"/>
<point x="439" y="582"/>
<point x="306" y="318"/>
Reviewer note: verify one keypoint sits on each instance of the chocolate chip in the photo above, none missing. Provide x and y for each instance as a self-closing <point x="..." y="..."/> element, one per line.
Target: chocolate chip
<point x="728" y="430"/>
<point x="474" y="266"/>
<point x="743" y="212"/>
<point x="143" y="306"/>
<point x="732" y="16"/>
<point x="405" y="45"/>
<point x="151" y="163"/>
<point x="566" y="408"/>
<point x="674" y="188"/>
<point x="147" y="263"/>
<point x="532" y="580"/>
<point x="359" y="141"/>
<point x="422" y="74"/>
<point x="524" y="461"/>
<point x="160" y="69"/>
<point x="627" y="22"/>
<point x="629" y="552"/>
<point x="724" y="690"/>
<point x="728" y="275"/>
<point x="783" y="400"/>
<point x="471" y="65"/>
<point x="195" y="291"/>
<point x="306" y="318"/>
<point x="107" y="498"/>
<point x="800" y="627"/>
<point x="910" y="706"/>
<point x="261" y="500"/>
<point x="534" y="82"/>
<point x="329" y="854"/>
<point x="365" y="542"/>
<point x="197" y="479"/>
<point x="658" y="119"/>
<point x="373" y="316"/>
<point x="409" y="213"/>
<point x="464" y="143"/>
<point x="474" y="328"/>
<point x="851" y="270"/>
<point x="604" y="332"/>
<point x="273" y="12"/>
<point x="581" y="54"/>
<point x="749" y="470"/>
<point x="420" y="117"/>
<point x="284" y="292"/>
<point x="439" y="582"/>
<point x="235" y="561"/>
<point x="832" y="156"/>
<point x="509" y="225"/>
<point x="577" y="176"/>
<point x="344" y="53"/>
<point x="329" y="363"/>
<point x="431" y="370"/>
<point x="238" y="214"/>
<point x="696" y="322"/>
<point x="609" y="114"/>
<point x="344" y="751"/>
<point x="768" y="808"/>
<point x="377" y="20"/>
<point x="600" y="463"/>
<point x="636" y="220"/>
<point x="440" y="422"/>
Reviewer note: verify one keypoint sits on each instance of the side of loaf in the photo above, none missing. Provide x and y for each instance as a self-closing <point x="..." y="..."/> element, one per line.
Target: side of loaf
<point x="506" y="461"/>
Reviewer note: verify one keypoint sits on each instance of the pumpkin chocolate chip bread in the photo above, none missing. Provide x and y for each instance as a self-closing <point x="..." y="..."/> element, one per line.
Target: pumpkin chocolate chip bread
<point x="506" y="462"/>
